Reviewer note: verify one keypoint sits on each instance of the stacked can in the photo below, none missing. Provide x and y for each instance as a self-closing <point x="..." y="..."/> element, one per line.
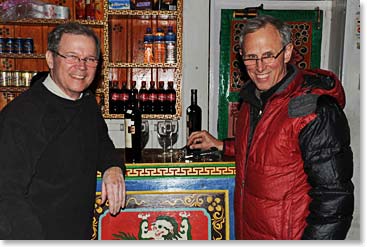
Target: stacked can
<point x="16" y="78"/>
<point x="16" y="45"/>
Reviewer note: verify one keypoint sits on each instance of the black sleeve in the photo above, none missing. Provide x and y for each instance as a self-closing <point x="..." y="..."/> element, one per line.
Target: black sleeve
<point x="328" y="162"/>
<point x="109" y="156"/>
<point x="17" y="219"/>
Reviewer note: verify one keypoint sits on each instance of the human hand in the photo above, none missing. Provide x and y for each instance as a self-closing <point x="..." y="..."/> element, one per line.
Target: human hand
<point x="203" y="140"/>
<point x="113" y="189"/>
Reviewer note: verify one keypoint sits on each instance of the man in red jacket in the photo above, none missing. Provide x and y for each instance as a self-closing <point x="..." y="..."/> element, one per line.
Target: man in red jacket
<point x="294" y="163"/>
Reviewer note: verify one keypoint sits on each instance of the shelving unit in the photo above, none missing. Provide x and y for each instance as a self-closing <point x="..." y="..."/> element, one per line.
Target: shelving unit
<point x="124" y="52"/>
<point x="122" y="49"/>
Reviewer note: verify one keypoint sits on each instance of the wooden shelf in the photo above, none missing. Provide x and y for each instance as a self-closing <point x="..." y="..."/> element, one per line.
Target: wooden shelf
<point x="40" y="21"/>
<point x="143" y="12"/>
<point x="22" y="56"/>
<point x="142" y="65"/>
<point x="13" y="89"/>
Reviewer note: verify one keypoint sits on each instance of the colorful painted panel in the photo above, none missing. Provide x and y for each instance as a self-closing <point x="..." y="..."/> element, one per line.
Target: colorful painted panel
<point x="155" y="224"/>
<point x="196" y="195"/>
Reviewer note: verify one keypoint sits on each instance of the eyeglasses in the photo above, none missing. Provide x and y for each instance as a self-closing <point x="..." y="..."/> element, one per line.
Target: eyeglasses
<point x="266" y="59"/>
<point x="72" y="59"/>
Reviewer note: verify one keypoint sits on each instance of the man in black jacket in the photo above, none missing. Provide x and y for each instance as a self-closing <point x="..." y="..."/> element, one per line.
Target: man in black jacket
<point x="53" y="140"/>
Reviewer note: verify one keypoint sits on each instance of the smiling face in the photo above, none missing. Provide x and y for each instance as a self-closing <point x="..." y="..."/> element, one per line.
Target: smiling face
<point x="72" y="79"/>
<point x="262" y="42"/>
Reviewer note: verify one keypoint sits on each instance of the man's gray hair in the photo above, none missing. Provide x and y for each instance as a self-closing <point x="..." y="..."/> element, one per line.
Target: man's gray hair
<point x="254" y="24"/>
<point x="55" y="35"/>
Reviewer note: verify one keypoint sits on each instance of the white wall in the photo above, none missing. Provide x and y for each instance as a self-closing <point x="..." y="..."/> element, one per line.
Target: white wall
<point x="351" y="83"/>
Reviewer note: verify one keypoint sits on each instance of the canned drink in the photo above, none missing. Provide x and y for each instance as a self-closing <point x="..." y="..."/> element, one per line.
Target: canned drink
<point x="9" y="45"/>
<point x="10" y="78"/>
<point x="27" y="76"/>
<point x="2" y="45"/>
<point x="18" y="45"/>
<point x="17" y="78"/>
<point x="28" y="46"/>
<point x="3" y="79"/>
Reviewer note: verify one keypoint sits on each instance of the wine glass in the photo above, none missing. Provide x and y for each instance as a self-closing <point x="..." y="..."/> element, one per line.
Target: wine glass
<point x="167" y="134"/>
<point x="144" y="133"/>
<point x="173" y="135"/>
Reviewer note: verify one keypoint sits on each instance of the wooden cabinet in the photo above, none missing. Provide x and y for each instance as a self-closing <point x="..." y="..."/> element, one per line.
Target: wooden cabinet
<point x="122" y="39"/>
<point x="124" y="53"/>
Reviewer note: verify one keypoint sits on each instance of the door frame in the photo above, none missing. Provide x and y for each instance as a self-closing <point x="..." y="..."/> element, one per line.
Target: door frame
<point x="214" y="50"/>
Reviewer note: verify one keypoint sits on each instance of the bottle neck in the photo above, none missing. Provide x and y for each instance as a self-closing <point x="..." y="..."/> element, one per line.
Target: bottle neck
<point x="193" y="98"/>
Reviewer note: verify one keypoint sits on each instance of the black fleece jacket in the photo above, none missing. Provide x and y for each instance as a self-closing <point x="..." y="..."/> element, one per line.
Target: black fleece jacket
<point x="50" y="151"/>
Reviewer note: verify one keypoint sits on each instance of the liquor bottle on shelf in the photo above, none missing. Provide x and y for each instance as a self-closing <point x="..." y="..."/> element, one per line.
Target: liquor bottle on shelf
<point x="161" y="98"/>
<point x="170" y="39"/>
<point x="157" y="4"/>
<point x="124" y="98"/>
<point x="80" y="9"/>
<point x="114" y="98"/>
<point x="193" y="115"/>
<point x="152" y="98"/>
<point x="98" y="5"/>
<point x="159" y="46"/>
<point x="90" y="10"/>
<point x="171" y="99"/>
<point x="148" y="46"/>
<point x="143" y="98"/>
<point x="133" y="133"/>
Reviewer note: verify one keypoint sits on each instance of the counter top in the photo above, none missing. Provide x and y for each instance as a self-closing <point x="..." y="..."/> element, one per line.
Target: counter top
<point x="179" y="156"/>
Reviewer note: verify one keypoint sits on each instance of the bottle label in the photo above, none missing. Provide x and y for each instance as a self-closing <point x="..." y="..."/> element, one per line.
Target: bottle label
<point x="161" y="97"/>
<point x="152" y="97"/>
<point x="171" y="97"/>
<point x="129" y="128"/>
<point x="115" y="96"/>
<point x="124" y="97"/>
<point x="143" y="97"/>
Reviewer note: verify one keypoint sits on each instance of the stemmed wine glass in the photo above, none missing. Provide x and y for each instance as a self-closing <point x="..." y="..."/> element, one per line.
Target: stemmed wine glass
<point x="144" y="133"/>
<point x="167" y="135"/>
<point x="173" y="135"/>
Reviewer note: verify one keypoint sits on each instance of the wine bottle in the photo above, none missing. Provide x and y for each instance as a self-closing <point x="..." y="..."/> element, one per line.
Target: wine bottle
<point x="193" y="115"/>
<point x="133" y="133"/>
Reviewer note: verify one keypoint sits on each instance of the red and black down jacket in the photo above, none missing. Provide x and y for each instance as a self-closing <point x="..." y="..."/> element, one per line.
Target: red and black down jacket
<point x="294" y="163"/>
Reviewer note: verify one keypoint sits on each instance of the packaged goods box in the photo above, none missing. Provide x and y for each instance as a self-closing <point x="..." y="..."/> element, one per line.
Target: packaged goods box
<point x="119" y="4"/>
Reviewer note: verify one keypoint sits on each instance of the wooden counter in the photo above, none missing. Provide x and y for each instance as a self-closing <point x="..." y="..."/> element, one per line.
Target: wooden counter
<point x="166" y="198"/>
